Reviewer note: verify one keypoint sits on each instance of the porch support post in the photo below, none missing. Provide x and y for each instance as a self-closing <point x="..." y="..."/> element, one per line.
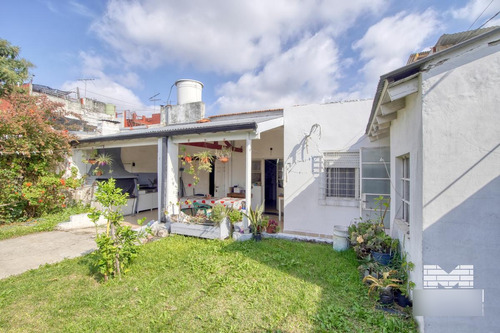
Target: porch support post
<point x="162" y="157"/>
<point x="167" y="178"/>
<point x="172" y="177"/>
<point x="248" y="179"/>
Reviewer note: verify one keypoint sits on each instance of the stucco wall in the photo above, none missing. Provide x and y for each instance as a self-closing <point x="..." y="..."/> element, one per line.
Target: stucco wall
<point x="406" y="138"/>
<point x="461" y="175"/>
<point x="342" y="128"/>
<point x="140" y="159"/>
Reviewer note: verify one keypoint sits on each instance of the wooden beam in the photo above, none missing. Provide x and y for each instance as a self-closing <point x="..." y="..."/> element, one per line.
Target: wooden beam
<point x="386" y="119"/>
<point x="212" y="145"/>
<point x="399" y="90"/>
<point x="392" y="107"/>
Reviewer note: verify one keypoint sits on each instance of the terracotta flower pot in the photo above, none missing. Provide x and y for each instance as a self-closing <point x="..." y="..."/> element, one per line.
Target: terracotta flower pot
<point x="224" y="159"/>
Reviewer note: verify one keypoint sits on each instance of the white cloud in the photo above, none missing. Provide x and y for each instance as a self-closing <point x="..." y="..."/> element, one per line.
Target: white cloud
<point x="219" y="36"/>
<point x="306" y="73"/>
<point x="387" y="45"/>
<point x="474" y="10"/>
<point x="104" y="88"/>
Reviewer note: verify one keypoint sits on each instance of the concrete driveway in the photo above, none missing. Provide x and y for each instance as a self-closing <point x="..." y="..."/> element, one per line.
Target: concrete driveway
<point x="18" y="255"/>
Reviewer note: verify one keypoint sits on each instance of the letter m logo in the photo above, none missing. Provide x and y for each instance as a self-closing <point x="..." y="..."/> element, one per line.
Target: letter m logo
<point x="460" y="277"/>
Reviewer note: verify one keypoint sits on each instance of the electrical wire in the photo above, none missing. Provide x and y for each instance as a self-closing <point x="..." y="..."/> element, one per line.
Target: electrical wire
<point x="480" y="15"/>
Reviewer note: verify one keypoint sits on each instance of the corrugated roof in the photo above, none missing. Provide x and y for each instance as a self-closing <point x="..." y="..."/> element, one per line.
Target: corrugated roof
<point x="415" y="67"/>
<point x="453" y="39"/>
<point x="182" y="129"/>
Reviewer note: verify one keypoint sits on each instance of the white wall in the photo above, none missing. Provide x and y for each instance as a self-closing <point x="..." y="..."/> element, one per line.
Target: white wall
<point x="144" y="158"/>
<point x="461" y="175"/>
<point x="342" y="128"/>
<point x="406" y="138"/>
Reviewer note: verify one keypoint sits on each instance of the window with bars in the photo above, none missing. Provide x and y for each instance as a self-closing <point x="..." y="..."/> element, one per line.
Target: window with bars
<point x="341" y="182"/>
<point x="405" y="188"/>
<point x="341" y="178"/>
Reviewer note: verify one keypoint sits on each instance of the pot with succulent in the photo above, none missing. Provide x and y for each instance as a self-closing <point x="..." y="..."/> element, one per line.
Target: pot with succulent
<point x="258" y="222"/>
<point x="103" y="160"/>
<point x="223" y="155"/>
<point x="205" y="159"/>
<point x="385" y="286"/>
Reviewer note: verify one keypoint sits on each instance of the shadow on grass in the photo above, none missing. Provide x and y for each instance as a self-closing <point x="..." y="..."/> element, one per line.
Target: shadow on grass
<point x="344" y="305"/>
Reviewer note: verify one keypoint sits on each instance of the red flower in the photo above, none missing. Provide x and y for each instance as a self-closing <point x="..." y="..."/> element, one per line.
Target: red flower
<point x="63" y="206"/>
<point x="28" y="184"/>
<point x="222" y="202"/>
<point x="63" y="182"/>
<point x="40" y="201"/>
<point x="212" y="201"/>
<point x="202" y="201"/>
<point x="189" y="185"/>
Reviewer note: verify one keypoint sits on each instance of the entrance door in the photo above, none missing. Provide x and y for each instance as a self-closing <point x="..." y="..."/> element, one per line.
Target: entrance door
<point x="271" y="184"/>
<point x="375" y="182"/>
<point x="220" y="190"/>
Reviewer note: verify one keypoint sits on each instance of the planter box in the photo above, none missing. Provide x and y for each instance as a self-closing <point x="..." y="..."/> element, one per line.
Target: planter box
<point x="202" y="230"/>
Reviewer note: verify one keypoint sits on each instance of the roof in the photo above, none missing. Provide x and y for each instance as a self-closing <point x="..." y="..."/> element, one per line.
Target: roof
<point x="416" y="67"/>
<point x="222" y="125"/>
<point x="452" y="39"/>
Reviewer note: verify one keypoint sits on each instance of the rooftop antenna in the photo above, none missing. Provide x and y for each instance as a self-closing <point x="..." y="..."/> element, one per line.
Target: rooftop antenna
<point x="153" y="99"/>
<point x="85" y="81"/>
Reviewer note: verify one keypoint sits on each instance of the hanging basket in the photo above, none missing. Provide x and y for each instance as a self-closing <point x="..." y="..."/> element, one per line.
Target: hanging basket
<point x="224" y="159"/>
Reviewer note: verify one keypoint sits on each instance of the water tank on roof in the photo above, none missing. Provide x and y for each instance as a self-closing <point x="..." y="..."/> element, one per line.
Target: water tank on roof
<point x="188" y="91"/>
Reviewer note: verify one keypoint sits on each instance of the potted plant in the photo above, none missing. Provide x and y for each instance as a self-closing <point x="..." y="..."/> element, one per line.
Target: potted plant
<point x="205" y="160"/>
<point x="272" y="227"/>
<point x="223" y="155"/>
<point x="102" y="160"/>
<point x="257" y="220"/>
<point x="384" y="285"/>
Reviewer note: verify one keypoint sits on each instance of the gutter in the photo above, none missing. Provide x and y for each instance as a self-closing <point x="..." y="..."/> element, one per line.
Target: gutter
<point x="166" y="132"/>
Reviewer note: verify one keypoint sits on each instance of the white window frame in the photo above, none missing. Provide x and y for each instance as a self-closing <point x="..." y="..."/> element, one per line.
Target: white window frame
<point x="339" y="160"/>
<point x="405" y="188"/>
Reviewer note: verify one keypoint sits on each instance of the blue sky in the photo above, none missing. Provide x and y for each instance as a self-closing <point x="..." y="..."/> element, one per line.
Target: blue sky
<point x="250" y="55"/>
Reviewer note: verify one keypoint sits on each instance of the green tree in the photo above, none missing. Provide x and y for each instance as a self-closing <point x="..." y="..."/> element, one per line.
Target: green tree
<point x="117" y="247"/>
<point x="32" y="147"/>
<point x="14" y="71"/>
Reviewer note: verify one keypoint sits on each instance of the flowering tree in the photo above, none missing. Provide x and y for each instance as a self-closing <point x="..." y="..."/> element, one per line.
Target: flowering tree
<point x="32" y="145"/>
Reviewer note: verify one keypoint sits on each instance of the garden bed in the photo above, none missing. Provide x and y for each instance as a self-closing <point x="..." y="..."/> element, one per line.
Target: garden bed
<point x="187" y="226"/>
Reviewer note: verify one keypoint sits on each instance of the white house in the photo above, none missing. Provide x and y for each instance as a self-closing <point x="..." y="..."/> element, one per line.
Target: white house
<point x="312" y="162"/>
<point x="442" y="117"/>
<point x="332" y="171"/>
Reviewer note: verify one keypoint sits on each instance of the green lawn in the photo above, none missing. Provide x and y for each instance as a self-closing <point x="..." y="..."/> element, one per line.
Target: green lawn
<point x="44" y="223"/>
<point x="182" y="284"/>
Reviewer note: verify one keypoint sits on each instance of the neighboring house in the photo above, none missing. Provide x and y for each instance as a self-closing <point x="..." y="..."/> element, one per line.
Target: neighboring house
<point x="86" y="117"/>
<point x="442" y="117"/>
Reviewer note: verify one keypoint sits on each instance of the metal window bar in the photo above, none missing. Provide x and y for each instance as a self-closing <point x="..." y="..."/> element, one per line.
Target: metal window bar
<point x="341" y="182"/>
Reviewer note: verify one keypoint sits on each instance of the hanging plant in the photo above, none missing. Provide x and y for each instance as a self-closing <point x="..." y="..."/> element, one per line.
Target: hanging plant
<point x="223" y="155"/>
<point x="205" y="160"/>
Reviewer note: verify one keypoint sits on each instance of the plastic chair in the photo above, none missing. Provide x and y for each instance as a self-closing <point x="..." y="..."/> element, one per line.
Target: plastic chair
<point x="203" y="207"/>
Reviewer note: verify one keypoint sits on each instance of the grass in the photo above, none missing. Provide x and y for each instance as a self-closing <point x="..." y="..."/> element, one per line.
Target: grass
<point x="182" y="284"/>
<point x="45" y="223"/>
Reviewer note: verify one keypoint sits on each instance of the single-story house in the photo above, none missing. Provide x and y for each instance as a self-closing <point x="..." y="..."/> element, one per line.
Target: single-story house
<point x="312" y="165"/>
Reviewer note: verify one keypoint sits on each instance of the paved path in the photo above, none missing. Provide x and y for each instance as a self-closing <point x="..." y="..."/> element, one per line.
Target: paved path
<point x="18" y="255"/>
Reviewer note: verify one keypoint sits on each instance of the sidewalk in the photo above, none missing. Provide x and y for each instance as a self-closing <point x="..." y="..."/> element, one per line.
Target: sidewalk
<point x="18" y="255"/>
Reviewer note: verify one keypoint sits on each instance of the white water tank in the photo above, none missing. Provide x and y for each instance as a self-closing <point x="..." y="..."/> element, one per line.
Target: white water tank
<point x="188" y="91"/>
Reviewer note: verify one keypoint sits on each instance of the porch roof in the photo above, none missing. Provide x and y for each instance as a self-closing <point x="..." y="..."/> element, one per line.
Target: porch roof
<point x="221" y="125"/>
